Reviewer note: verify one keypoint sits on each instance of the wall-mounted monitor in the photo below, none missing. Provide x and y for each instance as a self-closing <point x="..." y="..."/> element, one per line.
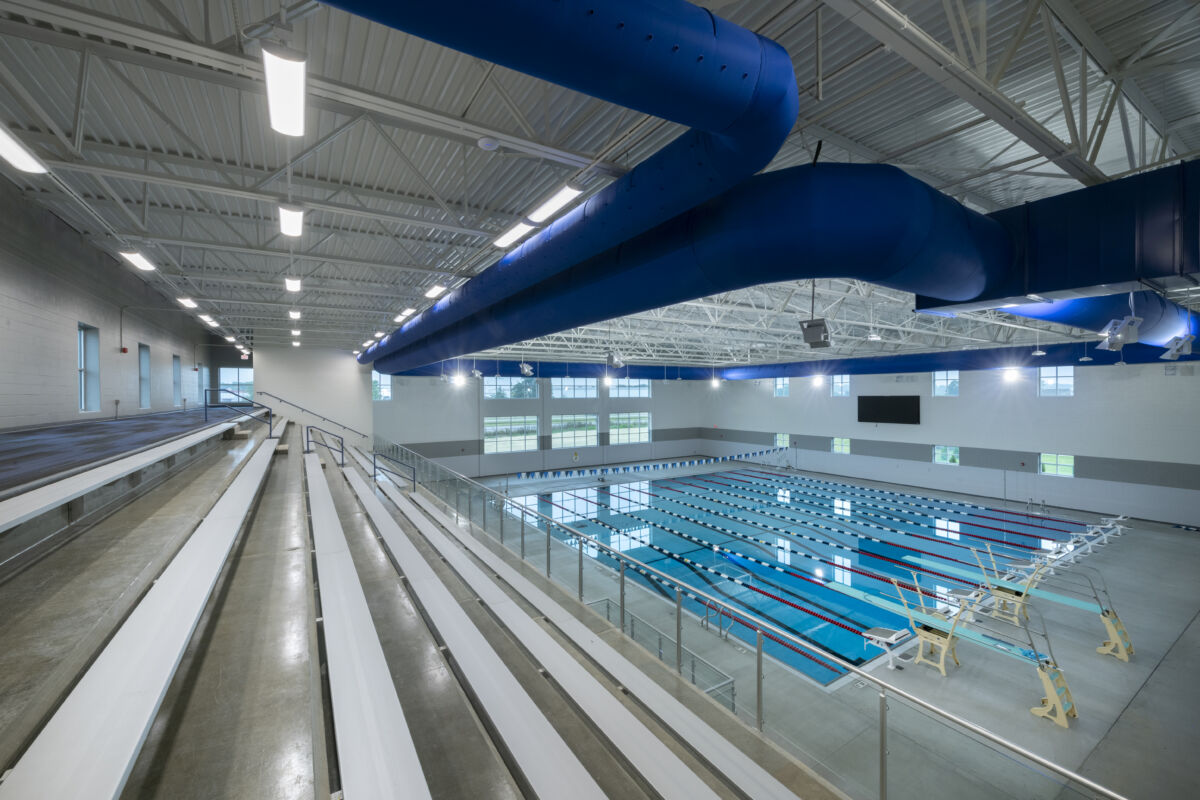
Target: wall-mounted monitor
<point x="902" y="409"/>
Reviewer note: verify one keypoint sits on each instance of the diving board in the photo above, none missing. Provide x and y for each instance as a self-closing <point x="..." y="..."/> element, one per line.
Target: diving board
<point x="89" y="746"/>
<point x="740" y="769"/>
<point x="648" y="754"/>
<point x="376" y="754"/>
<point x="546" y="761"/>
<point x="35" y="502"/>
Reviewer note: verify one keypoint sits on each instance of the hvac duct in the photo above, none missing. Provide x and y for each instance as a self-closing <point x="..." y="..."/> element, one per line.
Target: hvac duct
<point x="734" y="88"/>
<point x="1162" y="320"/>
<point x="870" y="222"/>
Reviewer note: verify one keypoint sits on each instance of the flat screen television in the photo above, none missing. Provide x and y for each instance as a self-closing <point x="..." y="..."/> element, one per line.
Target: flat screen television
<point x="901" y="409"/>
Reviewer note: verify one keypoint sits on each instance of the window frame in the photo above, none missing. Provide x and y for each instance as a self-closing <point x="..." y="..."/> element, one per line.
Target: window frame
<point x="592" y="440"/>
<point x="88" y="368"/>
<point x="378" y="395"/>
<point x="952" y="460"/>
<point x="840" y="445"/>
<point x="1061" y="468"/>
<point x="1057" y="381"/>
<point x="630" y="387"/>
<point x="145" y="367"/>
<point x="510" y="382"/>
<point x="782" y="388"/>
<point x="839" y="385"/>
<point x="564" y="388"/>
<point x="525" y="437"/>
<point x="238" y="382"/>
<point x="177" y="380"/>
<point x="949" y="378"/>
<point x="783" y="440"/>
<point x="949" y="529"/>
<point x="615" y="439"/>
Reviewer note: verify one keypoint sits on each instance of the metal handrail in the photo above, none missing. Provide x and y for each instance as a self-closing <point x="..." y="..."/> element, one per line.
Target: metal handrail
<point x="315" y="414"/>
<point x="764" y="625"/>
<point x="309" y="442"/>
<point x="270" y="414"/>
<point x="376" y="469"/>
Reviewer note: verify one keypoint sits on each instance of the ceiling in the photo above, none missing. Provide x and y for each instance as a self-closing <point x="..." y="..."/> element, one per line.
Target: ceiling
<point x="151" y="115"/>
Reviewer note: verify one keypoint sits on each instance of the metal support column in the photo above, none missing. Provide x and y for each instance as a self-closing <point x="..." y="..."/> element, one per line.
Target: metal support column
<point x="678" y="631"/>
<point x="758" y="677"/>
<point x="622" y="604"/>
<point x="522" y="534"/>
<point x="882" y="745"/>
<point x="547" y="549"/>
<point x="579" y="542"/>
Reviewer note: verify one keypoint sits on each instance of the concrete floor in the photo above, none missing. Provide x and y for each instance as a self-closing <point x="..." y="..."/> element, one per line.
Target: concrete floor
<point x="1132" y="734"/>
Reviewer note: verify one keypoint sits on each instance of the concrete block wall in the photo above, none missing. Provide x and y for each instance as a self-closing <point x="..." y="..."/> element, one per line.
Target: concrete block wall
<point x="51" y="280"/>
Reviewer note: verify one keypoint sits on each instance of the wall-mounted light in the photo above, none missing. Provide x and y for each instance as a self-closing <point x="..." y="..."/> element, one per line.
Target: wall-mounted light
<point x="1011" y="374"/>
<point x="284" y="69"/>
<point x="459" y="379"/>
<point x="818" y="380"/>
<point x="608" y="379"/>
<point x="716" y="383"/>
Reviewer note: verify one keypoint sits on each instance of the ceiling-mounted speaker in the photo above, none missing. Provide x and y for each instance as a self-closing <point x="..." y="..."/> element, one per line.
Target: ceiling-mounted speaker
<point x="816" y="332"/>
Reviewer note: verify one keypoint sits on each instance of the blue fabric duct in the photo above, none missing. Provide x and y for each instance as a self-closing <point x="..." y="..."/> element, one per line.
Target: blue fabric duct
<point x="734" y="88"/>
<point x="1162" y="320"/>
<point x="870" y="222"/>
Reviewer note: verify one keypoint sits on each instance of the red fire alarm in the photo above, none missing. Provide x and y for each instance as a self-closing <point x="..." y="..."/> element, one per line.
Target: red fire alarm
<point x="124" y="349"/>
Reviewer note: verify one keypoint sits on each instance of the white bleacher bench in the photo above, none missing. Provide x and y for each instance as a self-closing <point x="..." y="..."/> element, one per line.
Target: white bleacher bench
<point x="26" y="506"/>
<point x="88" y="747"/>
<point x="376" y="754"/>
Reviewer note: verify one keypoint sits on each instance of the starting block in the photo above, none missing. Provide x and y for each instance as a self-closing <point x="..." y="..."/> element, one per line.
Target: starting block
<point x="886" y="639"/>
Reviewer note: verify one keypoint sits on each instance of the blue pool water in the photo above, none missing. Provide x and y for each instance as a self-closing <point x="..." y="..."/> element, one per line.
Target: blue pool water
<point x="777" y="544"/>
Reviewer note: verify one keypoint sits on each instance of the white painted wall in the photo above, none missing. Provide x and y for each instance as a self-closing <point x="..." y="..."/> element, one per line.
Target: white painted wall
<point x="50" y="281"/>
<point x="1130" y="412"/>
<point x="330" y="383"/>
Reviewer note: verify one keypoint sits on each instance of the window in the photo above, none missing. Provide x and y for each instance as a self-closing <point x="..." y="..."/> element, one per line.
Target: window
<point x="781" y="387"/>
<point x="783" y="440"/>
<point x="629" y="539"/>
<point x="783" y="496"/>
<point x="945" y="454"/>
<point x="841" y="507"/>
<point x="944" y="602"/>
<point x="572" y="506"/>
<point x="626" y="497"/>
<point x="177" y="380"/>
<point x="841" y="572"/>
<point x="89" y="368"/>
<point x="839" y="386"/>
<point x="1056" y="381"/>
<point x="509" y="388"/>
<point x="381" y="386"/>
<point x="945" y="384"/>
<point x="783" y="551"/>
<point x="946" y="528"/>
<point x="573" y="430"/>
<point x="1055" y="464"/>
<point x="143" y="376"/>
<point x="235" y="380"/>
<point x="629" y="387"/>
<point x="509" y="434"/>
<point x="629" y="428"/>
<point x="572" y="387"/>
<point x="841" y="446"/>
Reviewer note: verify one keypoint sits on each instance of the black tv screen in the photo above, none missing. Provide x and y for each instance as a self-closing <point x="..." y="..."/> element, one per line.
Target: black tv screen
<point x="901" y="409"/>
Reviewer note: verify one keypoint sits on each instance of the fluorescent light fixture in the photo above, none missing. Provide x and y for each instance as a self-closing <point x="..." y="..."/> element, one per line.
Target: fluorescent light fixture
<point x="435" y="291"/>
<point x="206" y="317"/>
<point x="187" y="302"/>
<point x="459" y="379"/>
<point x="1039" y="352"/>
<point x="295" y="332"/>
<point x="818" y="380"/>
<point x="295" y="344"/>
<point x="291" y="220"/>
<point x="137" y="259"/>
<point x="408" y="312"/>
<point x="230" y="339"/>
<point x="552" y="206"/>
<point x="1086" y="358"/>
<point x="356" y="352"/>
<point x="292" y="284"/>
<point x="1037" y="298"/>
<point x="17" y="154"/>
<point x="1011" y="374"/>
<point x="294" y="314"/>
<point x="367" y="343"/>
<point x="1009" y="305"/>
<point x="212" y="323"/>
<point x="378" y="334"/>
<point x="512" y="235"/>
<point x="874" y="337"/>
<point x="284" y="70"/>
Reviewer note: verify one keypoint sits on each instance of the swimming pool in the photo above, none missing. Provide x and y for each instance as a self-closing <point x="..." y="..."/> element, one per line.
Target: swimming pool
<point x="784" y="545"/>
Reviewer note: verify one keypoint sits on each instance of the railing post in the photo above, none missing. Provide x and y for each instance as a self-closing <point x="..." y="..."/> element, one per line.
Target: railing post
<point x="547" y="549"/>
<point x="758" y="677"/>
<point x="522" y="534"/>
<point x="678" y="630"/>
<point x="483" y="501"/>
<point x="882" y="745"/>
<point x="470" y="507"/>
<point x="502" y="515"/>
<point x="622" y="595"/>
<point x="579" y="542"/>
<point x="457" y="500"/>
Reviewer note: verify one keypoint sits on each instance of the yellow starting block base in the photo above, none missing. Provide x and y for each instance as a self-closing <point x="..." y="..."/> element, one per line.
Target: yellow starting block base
<point x="1058" y="704"/>
<point x="1118" y="644"/>
<point x="940" y="643"/>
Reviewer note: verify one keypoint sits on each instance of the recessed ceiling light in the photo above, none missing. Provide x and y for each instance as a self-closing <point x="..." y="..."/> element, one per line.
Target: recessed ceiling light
<point x="434" y="291"/>
<point x="187" y="302"/>
<point x="284" y="71"/>
<point x="291" y="219"/>
<point x="18" y="154"/>
<point x="512" y="235"/>
<point x="137" y="259"/>
<point x="292" y="284"/>
<point x="551" y="207"/>
<point x="294" y="314"/>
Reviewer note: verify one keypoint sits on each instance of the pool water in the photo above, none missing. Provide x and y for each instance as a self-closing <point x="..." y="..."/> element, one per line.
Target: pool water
<point x="780" y="546"/>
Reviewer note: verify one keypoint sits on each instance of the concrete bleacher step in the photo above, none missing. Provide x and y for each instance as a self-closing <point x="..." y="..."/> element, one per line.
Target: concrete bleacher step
<point x="88" y="745"/>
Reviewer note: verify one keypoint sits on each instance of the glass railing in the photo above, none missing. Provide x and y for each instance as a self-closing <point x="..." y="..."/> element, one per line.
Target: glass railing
<point x="852" y="732"/>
